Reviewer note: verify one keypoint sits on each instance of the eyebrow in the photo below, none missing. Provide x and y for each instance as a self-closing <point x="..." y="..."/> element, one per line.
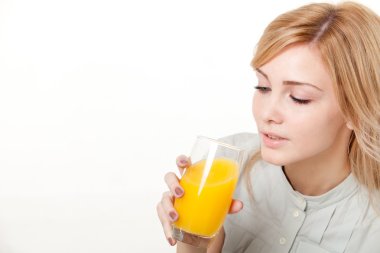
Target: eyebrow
<point x="289" y="82"/>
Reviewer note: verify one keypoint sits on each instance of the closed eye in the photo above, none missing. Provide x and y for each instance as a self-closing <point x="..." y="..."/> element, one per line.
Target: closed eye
<point x="300" y="101"/>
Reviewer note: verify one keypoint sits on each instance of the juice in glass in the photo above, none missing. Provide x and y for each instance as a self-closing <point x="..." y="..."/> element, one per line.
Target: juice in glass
<point x="208" y="194"/>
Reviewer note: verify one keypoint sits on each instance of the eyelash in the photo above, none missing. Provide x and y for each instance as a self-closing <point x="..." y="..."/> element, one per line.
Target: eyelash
<point x="263" y="89"/>
<point x="300" y="101"/>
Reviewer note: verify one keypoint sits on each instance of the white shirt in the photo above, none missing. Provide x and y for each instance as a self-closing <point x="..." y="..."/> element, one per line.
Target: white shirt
<point x="283" y="220"/>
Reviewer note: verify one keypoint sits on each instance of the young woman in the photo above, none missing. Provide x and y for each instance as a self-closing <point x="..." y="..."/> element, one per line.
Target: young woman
<point x="312" y="181"/>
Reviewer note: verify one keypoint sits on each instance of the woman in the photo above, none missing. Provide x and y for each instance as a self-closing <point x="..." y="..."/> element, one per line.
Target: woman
<point x="313" y="178"/>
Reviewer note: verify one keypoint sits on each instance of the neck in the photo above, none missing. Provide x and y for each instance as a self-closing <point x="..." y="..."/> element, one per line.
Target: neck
<point x="317" y="175"/>
<point x="314" y="183"/>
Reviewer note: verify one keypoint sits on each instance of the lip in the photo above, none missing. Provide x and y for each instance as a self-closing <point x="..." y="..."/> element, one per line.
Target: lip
<point x="270" y="142"/>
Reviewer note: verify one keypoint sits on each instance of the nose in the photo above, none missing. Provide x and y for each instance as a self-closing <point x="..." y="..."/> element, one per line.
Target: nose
<point x="272" y="110"/>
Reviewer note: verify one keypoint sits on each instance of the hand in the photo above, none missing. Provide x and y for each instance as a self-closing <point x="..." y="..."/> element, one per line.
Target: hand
<point x="165" y="208"/>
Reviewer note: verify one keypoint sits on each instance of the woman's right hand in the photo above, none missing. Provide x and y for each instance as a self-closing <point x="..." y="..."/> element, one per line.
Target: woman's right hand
<point x="165" y="208"/>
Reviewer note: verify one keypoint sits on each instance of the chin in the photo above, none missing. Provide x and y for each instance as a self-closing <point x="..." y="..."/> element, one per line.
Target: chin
<point x="273" y="157"/>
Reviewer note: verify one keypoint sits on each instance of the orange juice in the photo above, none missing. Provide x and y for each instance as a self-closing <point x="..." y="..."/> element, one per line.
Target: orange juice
<point x="206" y="201"/>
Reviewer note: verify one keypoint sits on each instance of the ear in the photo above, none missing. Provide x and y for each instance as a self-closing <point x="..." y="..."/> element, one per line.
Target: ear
<point x="349" y="126"/>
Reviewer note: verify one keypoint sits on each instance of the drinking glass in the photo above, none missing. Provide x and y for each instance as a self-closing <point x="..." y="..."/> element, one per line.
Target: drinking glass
<point x="209" y="183"/>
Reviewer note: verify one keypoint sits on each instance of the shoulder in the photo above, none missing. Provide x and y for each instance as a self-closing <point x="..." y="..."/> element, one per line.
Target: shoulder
<point x="245" y="140"/>
<point x="365" y="237"/>
<point x="264" y="176"/>
<point x="249" y="142"/>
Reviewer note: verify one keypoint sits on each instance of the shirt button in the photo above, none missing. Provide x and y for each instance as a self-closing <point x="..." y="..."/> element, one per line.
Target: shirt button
<point x="282" y="240"/>
<point x="296" y="214"/>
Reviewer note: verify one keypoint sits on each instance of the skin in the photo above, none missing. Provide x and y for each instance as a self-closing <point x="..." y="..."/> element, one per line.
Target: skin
<point x="295" y="101"/>
<point x="307" y="115"/>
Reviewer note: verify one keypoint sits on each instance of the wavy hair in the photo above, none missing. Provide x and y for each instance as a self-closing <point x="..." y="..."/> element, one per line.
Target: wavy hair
<point x="348" y="38"/>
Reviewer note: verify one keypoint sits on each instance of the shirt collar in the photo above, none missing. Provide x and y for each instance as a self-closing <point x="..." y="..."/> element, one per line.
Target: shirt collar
<point x="344" y="189"/>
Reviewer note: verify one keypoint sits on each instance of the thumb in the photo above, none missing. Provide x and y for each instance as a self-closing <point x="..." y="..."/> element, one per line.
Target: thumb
<point x="236" y="206"/>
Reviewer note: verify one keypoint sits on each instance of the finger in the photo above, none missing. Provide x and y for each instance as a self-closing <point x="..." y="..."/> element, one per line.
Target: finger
<point x="236" y="206"/>
<point x="168" y="234"/>
<point x="166" y="224"/>
<point x="167" y="205"/>
<point x="160" y="213"/>
<point x="182" y="162"/>
<point x="161" y="207"/>
<point x="172" y="182"/>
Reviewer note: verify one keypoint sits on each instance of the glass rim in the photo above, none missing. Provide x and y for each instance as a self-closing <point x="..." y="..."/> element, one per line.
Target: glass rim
<point x="220" y="143"/>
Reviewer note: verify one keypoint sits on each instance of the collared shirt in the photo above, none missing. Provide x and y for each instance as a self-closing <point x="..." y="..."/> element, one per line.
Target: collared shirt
<point x="281" y="219"/>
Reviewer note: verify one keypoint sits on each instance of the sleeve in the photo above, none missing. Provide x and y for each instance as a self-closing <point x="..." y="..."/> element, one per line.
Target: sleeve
<point x="237" y="235"/>
<point x="241" y="228"/>
<point x="236" y="238"/>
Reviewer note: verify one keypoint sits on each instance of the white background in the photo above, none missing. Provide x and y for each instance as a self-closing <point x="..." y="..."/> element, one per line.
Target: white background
<point x="97" y="98"/>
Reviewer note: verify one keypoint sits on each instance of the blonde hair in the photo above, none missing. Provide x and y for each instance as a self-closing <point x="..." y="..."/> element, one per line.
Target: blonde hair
<point x="348" y="38"/>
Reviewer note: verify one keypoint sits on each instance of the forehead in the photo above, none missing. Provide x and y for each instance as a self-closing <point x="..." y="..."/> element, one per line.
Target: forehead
<point x="301" y="63"/>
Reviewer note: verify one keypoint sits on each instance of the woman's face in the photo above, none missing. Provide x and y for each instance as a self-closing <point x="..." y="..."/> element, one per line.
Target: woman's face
<point x="295" y="109"/>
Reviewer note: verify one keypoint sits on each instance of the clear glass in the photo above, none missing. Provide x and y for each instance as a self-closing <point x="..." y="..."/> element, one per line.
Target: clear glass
<point x="209" y="183"/>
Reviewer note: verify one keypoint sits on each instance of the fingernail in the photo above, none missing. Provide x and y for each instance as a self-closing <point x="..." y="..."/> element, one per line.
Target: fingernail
<point x="178" y="192"/>
<point x="173" y="216"/>
<point x="183" y="161"/>
<point x="171" y="241"/>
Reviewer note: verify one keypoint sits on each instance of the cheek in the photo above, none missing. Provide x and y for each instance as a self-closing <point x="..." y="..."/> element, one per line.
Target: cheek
<point x="255" y="106"/>
<point x="318" y="129"/>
